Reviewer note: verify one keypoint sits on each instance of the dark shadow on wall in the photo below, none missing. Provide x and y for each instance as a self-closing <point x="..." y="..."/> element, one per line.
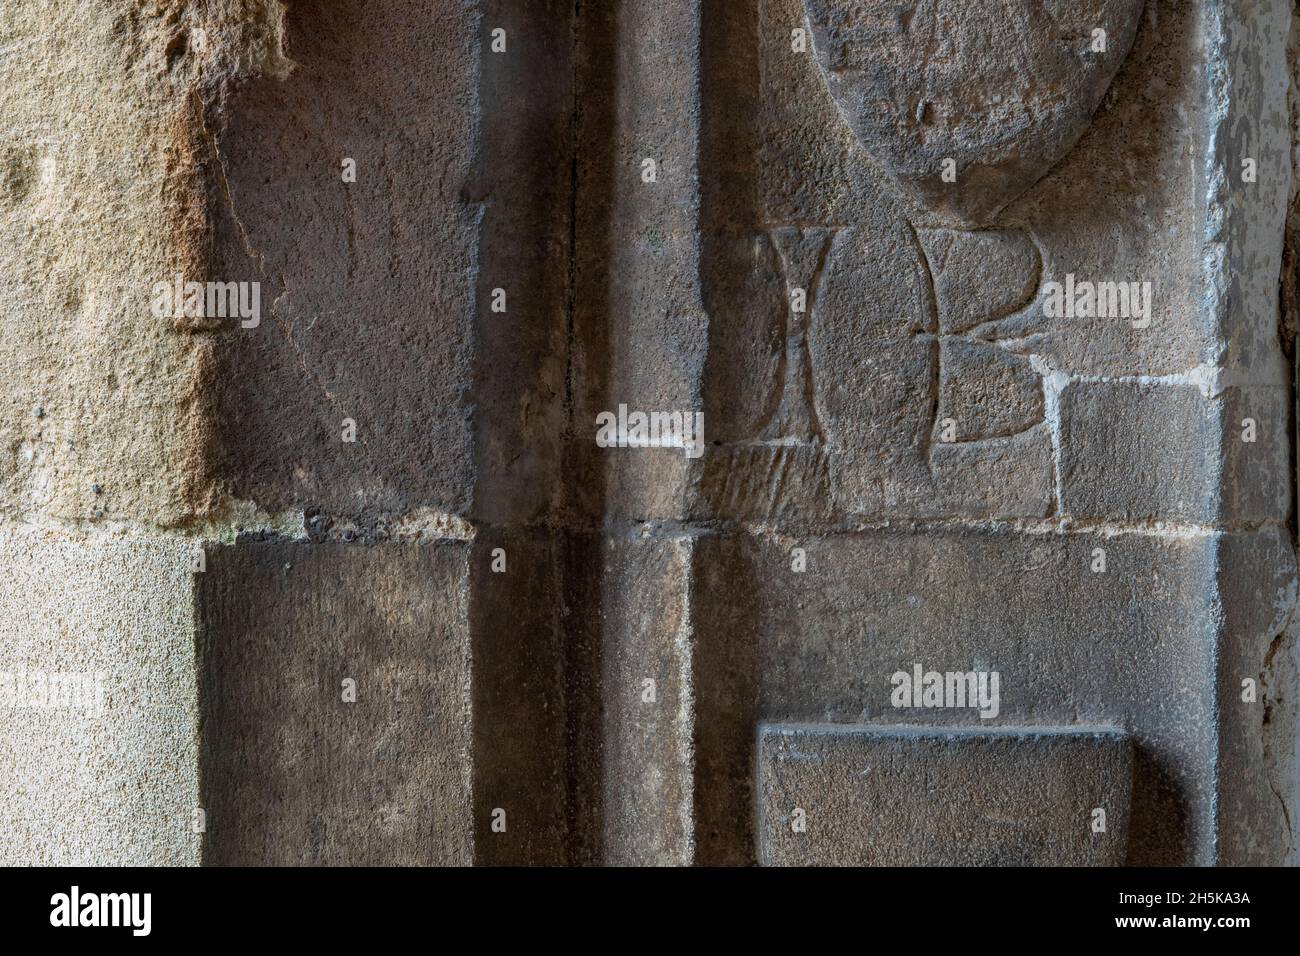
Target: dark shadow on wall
<point x="367" y="287"/>
<point x="725" y="660"/>
<point x="547" y="117"/>
<point x="517" y="580"/>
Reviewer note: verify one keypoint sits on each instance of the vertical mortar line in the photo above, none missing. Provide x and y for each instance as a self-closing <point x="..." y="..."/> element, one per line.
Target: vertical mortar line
<point x="685" y="649"/>
<point x="1214" y="274"/>
<point x="686" y="643"/>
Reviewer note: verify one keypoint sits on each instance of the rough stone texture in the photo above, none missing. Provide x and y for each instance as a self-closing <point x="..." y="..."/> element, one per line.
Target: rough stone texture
<point x="908" y="458"/>
<point x="648" y="729"/>
<point x="104" y="160"/>
<point x="1117" y="440"/>
<point x="529" y="655"/>
<point x="116" y="784"/>
<point x="291" y="770"/>
<point x="371" y="309"/>
<point x="1003" y="89"/>
<point x="1131" y="647"/>
<point x="907" y="796"/>
<point x="1257" y="581"/>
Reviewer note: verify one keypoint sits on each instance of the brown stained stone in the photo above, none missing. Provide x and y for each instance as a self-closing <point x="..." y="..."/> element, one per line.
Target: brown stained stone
<point x="106" y="161"/>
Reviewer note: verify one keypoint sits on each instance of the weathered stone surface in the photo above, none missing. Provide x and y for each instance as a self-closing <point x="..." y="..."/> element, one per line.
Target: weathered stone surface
<point x="109" y="778"/>
<point x="1000" y="478"/>
<point x="648" y="689"/>
<point x="297" y="766"/>
<point x="530" y="664"/>
<point x="1257" y="672"/>
<point x="525" y="245"/>
<point x="370" y="311"/>
<point x="888" y="280"/>
<point x="910" y="454"/>
<point x="1131" y="646"/>
<point x="1254" y="445"/>
<point x="908" y="796"/>
<point x="979" y="277"/>
<point x="1119" y="441"/>
<point x="986" y="391"/>
<point x="1003" y="90"/>
<point x="105" y="159"/>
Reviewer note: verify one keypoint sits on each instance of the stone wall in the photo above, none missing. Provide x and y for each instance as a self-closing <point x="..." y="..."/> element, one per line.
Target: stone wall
<point x="985" y="553"/>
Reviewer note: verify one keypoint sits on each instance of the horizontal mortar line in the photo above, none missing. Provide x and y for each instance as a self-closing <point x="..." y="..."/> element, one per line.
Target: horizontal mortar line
<point x="1166" y="531"/>
<point x="675" y="528"/>
<point x="214" y="531"/>
<point x="413" y="527"/>
<point x="672" y="528"/>
<point x="292" y="525"/>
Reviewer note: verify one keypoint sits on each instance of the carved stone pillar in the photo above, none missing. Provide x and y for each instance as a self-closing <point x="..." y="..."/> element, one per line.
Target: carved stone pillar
<point x="702" y="432"/>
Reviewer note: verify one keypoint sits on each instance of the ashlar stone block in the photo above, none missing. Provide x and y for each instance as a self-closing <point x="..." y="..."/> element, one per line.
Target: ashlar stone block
<point x="838" y="795"/>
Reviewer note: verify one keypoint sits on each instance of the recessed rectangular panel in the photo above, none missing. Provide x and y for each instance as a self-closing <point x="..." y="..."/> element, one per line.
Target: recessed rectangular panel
<point x="843" y="795"/>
